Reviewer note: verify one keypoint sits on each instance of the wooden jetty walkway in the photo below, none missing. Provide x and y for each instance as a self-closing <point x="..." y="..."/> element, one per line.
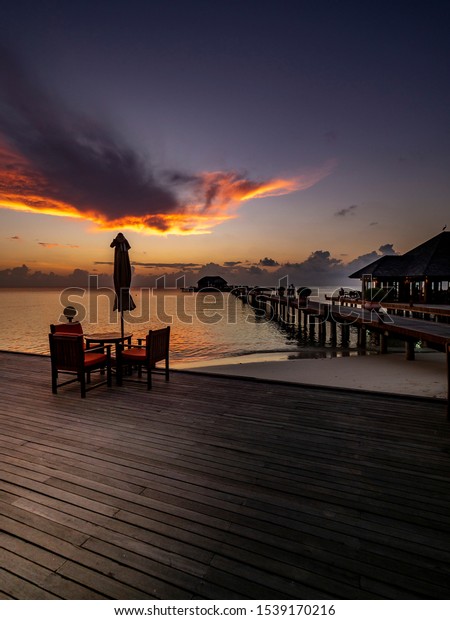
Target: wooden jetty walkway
<point x="219" y="488"/>
<point x="293" y="312"/>
<point x="410" y="329"/>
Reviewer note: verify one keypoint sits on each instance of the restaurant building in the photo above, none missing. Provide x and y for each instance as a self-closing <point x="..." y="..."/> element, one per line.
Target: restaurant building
<point x="422" y="275"/>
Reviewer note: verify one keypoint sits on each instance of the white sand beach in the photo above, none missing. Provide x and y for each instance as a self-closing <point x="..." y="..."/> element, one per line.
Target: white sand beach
<point x="390" y="373"/>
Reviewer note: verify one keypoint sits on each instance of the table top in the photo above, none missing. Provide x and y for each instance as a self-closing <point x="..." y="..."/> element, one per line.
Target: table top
<point x="107" y="337"/>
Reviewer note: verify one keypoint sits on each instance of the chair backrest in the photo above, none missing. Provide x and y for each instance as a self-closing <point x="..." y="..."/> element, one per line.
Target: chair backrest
<point x="66" y="351"/>
<point x="66" y="328"/>
<point x="157" y="344"/>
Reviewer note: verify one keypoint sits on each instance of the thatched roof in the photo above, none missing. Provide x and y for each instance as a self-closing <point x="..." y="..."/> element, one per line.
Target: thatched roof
<point x="431" y="259"/>
<point x="211" y="281"/>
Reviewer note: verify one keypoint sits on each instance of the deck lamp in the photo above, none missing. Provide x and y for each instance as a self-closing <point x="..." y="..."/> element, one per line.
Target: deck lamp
<point x="69" y="312"/>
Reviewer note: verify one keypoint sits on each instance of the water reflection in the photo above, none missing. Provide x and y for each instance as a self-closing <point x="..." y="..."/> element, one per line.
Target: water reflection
<point x="204" y="327"/>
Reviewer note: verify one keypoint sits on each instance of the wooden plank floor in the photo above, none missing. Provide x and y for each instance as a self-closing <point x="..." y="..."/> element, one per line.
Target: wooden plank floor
<point x="219" y="488"/>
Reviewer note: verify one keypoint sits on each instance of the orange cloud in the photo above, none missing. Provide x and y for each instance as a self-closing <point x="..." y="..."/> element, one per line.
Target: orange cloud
<point x="222" y="189"/>
<point x="57" y="245"/>
<point x="201" y="201"/>
<point x="55" y="162"/>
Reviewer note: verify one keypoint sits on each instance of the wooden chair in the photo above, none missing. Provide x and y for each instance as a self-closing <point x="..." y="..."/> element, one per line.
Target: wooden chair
<point x="67" y="355"/>
<point x="146" y="356"/>
<point x="66" y="328"/>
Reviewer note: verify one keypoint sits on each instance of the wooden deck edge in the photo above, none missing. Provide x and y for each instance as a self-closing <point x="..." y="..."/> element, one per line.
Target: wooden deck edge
<point x="331" y="388"/>
<point x="7" y="352"/>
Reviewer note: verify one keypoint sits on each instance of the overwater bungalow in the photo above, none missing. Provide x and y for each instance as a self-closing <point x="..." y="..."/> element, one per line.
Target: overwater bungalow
<point x="212" y="283"/>
<point x="422" y="275"/>
<point x="208" y="284"/>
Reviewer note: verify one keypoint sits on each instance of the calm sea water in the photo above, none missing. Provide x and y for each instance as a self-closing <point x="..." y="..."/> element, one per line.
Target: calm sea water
<point x="204" y="326"/>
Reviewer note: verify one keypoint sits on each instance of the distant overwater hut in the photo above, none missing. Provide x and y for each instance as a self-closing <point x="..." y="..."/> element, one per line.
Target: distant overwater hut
<point x="212" y="283"/>
<point x="422" y="275"/>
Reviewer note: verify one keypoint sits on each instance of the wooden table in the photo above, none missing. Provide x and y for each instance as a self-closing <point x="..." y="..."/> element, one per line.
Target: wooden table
<point x="109" y="338"/>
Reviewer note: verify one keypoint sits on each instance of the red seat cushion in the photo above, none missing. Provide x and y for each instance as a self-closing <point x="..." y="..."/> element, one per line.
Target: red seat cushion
<point x="133" y="355"/>
<point x="91" y="359"/>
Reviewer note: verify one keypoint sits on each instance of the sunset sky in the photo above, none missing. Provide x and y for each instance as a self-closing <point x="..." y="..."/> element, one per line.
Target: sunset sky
<point x="304" y="138"/>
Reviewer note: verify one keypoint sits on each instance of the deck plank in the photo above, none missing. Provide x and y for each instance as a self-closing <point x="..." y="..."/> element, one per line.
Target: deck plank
<point x="219" y="488"/>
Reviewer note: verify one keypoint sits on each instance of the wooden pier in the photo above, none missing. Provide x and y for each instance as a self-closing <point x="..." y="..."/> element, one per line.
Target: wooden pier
<point x="219" y="488"/>
<point x="295" y="313"/>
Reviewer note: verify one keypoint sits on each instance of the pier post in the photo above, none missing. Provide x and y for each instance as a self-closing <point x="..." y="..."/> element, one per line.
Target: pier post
<point x="410" y="350"/>
<point x="361" y="337"/>
<point x="289" y="320"/>
<point x="383" y="343"/>
<point x="448" y="380"/>
<point x="312" y="324"/>
<point x="333" y="331"/>
<point x="305" y="319"/>
<point x="345" y="334"/>
<point x="322" y="328"/>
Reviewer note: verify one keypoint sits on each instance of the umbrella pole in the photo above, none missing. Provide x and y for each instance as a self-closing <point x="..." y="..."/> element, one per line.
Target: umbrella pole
<point x="121" y="323"/>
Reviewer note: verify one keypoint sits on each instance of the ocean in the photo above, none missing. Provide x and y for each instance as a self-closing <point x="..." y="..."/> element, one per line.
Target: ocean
<point x="204" y="327"/>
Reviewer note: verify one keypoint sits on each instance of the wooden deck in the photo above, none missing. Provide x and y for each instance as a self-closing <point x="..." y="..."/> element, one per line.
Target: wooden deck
<point x="219" y="488"/>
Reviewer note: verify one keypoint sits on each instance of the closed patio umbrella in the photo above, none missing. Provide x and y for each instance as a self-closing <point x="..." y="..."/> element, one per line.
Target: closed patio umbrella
<point x="122" y="277"/>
